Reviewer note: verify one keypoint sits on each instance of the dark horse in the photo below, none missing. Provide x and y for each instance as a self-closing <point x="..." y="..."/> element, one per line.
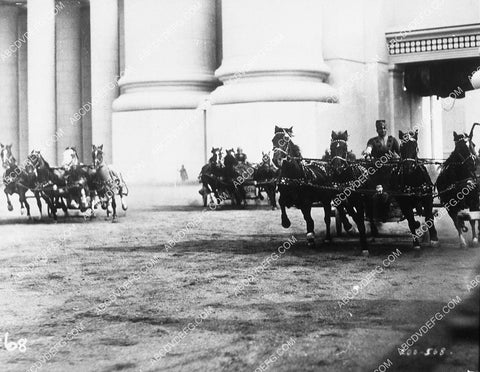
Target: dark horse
<point x="18" y="180"/>
<point x="457" y="182"/>
<point x="301" y="182"/>
<point x="266" y="175"/>
<point x="217" y="177"/>
<point x="414" y="188"/>
<point x="343" y="173"/>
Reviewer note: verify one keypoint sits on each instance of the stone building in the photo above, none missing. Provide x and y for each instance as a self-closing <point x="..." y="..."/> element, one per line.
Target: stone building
<point x="159" y="82"/>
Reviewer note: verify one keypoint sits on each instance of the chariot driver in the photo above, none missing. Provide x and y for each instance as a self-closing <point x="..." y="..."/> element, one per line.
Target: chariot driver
<point x="241" y="156"/>
<point x="381" y="144"/>
<point x="376" y="148"/>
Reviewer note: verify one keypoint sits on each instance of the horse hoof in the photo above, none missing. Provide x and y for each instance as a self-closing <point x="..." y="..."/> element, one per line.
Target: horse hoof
<point x="365" y="253"/>
<point x="286" y="224"/>
<point x="416" y="248"/>
<point x="10" y="208"/>
<point x="22" y="211"/>
<point x="475" y="241"/>
<point x="434" y="243"/>
<point x="124" y="206"/>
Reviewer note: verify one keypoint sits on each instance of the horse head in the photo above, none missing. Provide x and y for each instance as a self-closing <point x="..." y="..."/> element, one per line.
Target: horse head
<point x="97" y="155"/>
<point x="7" y="157"/>
<point x="339" y="151"/>
<point x="283" y="145"/>
<point x="70" y="158"/>
<point x="465" y="150"/>
<point x="409" y="150"/>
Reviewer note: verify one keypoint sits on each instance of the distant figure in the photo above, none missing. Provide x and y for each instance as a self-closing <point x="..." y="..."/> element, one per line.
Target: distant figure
<point x="183" y="174"/>
<point x="240" y="156"/>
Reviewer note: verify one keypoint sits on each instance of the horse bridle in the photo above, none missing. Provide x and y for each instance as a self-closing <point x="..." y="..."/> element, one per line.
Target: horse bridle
<point x="469" y="157"/>
<point x="338" y="156"/>
<point x="287" y="148"/>
<point x="8" y="162"/>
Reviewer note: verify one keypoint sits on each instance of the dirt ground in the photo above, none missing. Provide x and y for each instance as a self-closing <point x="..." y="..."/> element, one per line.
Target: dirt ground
<point x="55" y="277"/>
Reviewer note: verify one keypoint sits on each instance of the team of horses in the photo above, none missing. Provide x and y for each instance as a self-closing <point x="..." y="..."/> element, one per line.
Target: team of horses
<point x="228" y="175"/>
<point x="73" y="185"/>
<point x="302" y="182"/>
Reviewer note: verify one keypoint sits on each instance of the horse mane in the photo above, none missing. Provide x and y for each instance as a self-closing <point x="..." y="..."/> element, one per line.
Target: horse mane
<point x="449" y="161"/>
<point x="295" y="149"/>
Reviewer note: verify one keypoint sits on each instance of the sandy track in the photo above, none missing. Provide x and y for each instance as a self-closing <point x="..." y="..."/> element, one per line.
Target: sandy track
<point x="293" y="298"/>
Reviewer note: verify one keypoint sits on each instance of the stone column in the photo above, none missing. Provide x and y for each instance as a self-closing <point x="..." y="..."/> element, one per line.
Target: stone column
<point x="104" y="69"/>
<point x="171" y="54"/>
<point x="86" y="83"/>
<point x="169" y="71"/>
<point x="272" y="52"/>
<point x="22" y="87"/>
<point x="8" y="77"/>
<point x="68" y="69"/>
<point x="41" y="78"/>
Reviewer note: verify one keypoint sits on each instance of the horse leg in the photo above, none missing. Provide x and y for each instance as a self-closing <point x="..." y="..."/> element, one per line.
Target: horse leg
<point x="413" y="225"/>
<point x="39" y="203"/>
<point x="114" y="207"/>
<point x="358" y="217"/>
<point x="430" y="221"/>
<point x="343" y="216"/>
<point x="474" y="233"/>
<point x="9" y="203"/>
<point x="285" y="221"/>
<point x="23" y="201"/>
<point x="307" y="215"/>
<point x="327" y="210"/>
<point x="458" y="226"/>
<point x="122" y="199"/>
<point x="271" y="196"/>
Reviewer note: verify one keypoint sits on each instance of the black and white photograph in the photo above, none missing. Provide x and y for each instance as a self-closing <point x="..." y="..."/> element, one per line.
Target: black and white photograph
<point x="239" y="185"/>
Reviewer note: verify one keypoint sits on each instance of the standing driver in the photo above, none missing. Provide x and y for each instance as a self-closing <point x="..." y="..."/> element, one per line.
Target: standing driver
<point x="381" y="144"/>
<point x="376" y="148"/>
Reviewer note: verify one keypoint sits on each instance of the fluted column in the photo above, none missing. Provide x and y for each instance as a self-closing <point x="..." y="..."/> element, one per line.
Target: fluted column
<point x="104" y="69"/>
<point x="171" y="54"/>
<point x="22" y="88"/>
<point x="8" y="77"/>
<point x="41" y="78"/>
<point x="272" y="51"/>
<point x="68" y="69"/>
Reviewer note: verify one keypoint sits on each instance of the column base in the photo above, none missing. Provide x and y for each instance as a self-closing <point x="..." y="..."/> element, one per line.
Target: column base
<point x="273" y="89"/>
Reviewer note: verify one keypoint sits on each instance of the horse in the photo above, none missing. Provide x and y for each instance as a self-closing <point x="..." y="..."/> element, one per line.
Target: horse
<point x="265" y="174"/>
<point x="209" y="175"/>
<point x="18" y="180"/>
<point x="457" y="174"/>
<point x="413" y="187"/>
<point x="300" y="183"/>
<point x="76" y="179"/>
<point x="217" y="176"/>
<point x="108" y="183"/>
<point x="344" y="172"/>
<point x="48" y="181"/>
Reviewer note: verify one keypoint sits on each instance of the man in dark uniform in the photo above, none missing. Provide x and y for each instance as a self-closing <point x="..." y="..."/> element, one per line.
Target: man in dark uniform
<point x="376" y="148"/>
<point x="240" y="156"/>
<point x="381" y="144"/>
